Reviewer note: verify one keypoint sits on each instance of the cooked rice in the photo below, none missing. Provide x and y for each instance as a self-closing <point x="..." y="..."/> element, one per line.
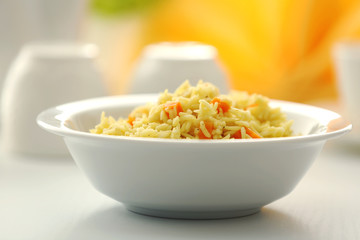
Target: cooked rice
<point x="200" y="112"/>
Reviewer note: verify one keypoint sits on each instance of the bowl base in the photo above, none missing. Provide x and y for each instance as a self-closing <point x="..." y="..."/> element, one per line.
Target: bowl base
<point x="192" y="214"/>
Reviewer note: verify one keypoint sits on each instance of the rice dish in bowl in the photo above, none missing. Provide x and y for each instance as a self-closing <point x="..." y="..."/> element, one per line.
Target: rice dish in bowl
<point x="182" y="174"/>
<point x="200" y="112"/>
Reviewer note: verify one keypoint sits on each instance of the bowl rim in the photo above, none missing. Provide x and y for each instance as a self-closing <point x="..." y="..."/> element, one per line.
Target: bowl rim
<point x="54" y="120"/>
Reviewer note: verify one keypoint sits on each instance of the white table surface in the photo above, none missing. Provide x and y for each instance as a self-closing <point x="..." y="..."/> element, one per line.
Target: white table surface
<point x="49" y="198"/>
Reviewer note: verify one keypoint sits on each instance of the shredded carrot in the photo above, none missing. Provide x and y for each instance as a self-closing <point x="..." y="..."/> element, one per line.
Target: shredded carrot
<point x="251" y="106"/>
<point x="209" y="127"/>
<point x="173" y="105"/>
<point x="249" y="132"/>
<point x="221" y="104"/>
<point x="237" y="135"/>
<point x="131" y="119"/>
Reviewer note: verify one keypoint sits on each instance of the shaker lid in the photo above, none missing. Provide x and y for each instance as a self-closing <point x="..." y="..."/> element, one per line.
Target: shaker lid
<point x="180" y="51"/>
<point x="59" y="50"/>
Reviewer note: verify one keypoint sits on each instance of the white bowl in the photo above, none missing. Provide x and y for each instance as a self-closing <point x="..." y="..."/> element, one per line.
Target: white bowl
<point x="193" y="179"/>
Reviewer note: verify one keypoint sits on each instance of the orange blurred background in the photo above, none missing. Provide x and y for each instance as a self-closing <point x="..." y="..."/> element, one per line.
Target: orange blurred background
<point x="279" y="48"/>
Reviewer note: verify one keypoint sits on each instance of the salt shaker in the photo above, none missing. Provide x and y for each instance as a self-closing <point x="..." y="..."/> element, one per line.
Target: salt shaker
<point x="43" y="76"/>
<point x="347" y="67"/>
<point x="166" y="65"/>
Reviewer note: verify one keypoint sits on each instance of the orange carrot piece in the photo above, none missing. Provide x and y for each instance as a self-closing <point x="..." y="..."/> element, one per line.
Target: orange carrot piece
<point x="209" y="127"/>
<point x="249" y="132"/>
<point x="131" y="119"/>
<point x="237" y="135"/>
<point x="173" y="105"/>
<point x="221" y="104"/>
<point x="251" y="106"/>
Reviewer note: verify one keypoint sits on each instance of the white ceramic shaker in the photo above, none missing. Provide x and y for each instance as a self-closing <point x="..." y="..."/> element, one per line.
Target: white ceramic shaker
<point x="43" y="76"/>
<point x="347" y="66"/>
<point x="166" y="65"/>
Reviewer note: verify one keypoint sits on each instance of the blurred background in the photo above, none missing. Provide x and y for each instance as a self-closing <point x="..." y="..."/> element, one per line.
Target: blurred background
<point x="279" y="48"/>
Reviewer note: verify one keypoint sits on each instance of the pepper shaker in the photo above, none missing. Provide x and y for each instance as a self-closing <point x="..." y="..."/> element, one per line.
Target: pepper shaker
<point x="169" y="64"/>
<point x="42" y="76"/>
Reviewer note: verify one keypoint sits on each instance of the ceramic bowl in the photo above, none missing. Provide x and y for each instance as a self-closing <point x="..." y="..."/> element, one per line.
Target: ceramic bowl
<point x="191" y="179"/>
